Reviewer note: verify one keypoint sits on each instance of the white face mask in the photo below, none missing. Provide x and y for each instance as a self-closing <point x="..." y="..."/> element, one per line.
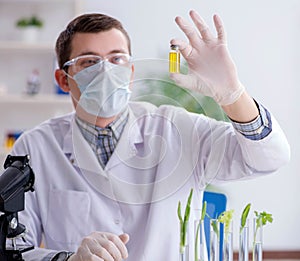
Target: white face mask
<point x="104" y="89"/>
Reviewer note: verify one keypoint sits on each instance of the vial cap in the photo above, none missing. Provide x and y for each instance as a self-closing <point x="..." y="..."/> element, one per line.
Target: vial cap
<point x="174" y="47"/>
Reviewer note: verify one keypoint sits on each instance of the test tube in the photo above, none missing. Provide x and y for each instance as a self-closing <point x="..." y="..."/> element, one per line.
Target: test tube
<point x="174" y="59"/>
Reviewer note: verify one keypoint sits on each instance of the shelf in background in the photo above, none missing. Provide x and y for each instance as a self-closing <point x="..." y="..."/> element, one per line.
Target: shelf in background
<point x="22" y="112"/>
<point x="22" y="46"/>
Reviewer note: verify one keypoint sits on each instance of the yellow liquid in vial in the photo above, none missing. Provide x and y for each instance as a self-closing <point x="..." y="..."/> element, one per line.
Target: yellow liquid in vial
<point x="174" y="62"/>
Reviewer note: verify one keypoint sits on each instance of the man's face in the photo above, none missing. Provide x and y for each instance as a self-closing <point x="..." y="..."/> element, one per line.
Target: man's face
<point x="101" y="44"/>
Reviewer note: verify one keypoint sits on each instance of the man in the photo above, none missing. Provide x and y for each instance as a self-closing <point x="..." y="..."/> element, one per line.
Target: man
<point x="109" y="176"/>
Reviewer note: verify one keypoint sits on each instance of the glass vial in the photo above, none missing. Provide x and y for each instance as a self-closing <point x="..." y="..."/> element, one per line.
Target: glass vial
<point x="257" y="240"/>
<point x="214" y="254"/>
<point x="184" y="243"/>
<point x="228" y="242"/>
<point x="174" y="59"/>
<point x="244" y="242"/>
<point x="200" y="241"/>
<point x="184" y="254"/>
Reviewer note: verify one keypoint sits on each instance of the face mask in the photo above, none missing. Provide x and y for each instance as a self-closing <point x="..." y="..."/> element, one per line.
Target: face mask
<point x="104" y="89"/>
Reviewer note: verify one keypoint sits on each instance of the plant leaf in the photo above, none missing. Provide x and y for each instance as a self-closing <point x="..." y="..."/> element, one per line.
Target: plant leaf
<point x="203" y="213"/>
<point x="226" y="217"/>
<point x="215" y="227"/>
<point x="188" y="207"/>
<point x="179" y="211"/>
<point x="245" y="216"/>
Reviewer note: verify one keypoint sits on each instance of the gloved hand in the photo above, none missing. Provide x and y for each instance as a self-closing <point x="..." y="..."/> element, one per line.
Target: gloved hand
<point x="102" y="246"/>
<point x="211" y="69"/>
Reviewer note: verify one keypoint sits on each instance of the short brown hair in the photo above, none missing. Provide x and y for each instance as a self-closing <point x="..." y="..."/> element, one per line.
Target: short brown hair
<point x="86" y="23"/>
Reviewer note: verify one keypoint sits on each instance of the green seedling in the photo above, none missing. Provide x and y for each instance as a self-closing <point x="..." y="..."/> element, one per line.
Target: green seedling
<point x="184" y="221"/>
<point x="226" y="218"/>
<point x="262" y="219"/>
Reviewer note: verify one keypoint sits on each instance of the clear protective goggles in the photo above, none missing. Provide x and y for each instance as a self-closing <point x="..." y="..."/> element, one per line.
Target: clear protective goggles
<point x="82" y="62"/>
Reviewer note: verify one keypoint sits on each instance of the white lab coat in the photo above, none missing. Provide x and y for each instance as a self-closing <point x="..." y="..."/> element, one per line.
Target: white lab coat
<point x="162" y="154"/>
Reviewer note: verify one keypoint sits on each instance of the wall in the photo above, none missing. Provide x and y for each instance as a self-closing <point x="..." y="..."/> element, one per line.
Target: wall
<point x="263" y="38"/>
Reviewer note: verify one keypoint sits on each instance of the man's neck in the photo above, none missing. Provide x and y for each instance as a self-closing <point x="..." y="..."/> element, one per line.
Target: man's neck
<point x="94" y="120"/>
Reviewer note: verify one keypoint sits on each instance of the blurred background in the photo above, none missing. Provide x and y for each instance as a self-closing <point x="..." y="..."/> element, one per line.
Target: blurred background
<point x="263" y="38"/>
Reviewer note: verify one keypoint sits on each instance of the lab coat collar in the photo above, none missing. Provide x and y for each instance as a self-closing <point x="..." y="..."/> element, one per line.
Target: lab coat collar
<point x="82" y="155"/>
<point x="79" y="151"/>
<point x="126" y="147"/>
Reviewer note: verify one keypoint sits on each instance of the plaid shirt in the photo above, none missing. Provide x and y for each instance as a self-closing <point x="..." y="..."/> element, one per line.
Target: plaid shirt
<point x="103" y="140"/>
<point x="257" y="129"/>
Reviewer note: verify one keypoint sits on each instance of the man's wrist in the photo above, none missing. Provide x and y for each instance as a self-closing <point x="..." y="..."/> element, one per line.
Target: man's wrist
<point x="257" y="129"/>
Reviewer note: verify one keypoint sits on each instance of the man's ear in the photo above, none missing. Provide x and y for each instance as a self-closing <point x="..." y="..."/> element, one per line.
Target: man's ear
<point x="62" y="80"/>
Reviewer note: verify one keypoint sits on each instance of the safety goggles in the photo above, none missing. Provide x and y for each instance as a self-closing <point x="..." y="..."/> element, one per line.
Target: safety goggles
<point x="84" y="61"/>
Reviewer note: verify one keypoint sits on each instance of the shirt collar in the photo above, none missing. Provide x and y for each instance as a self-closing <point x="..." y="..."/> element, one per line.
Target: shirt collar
<point x="91" y="132"/>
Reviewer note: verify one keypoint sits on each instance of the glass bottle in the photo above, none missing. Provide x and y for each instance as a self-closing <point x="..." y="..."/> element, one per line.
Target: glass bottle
<point x="174" y="59"/>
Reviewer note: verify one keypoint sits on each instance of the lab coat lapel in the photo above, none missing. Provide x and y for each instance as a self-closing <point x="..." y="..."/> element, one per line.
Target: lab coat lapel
<point x="125" y="149"/>
<point x="81" y="153"/>
<point x="83" y="157"/>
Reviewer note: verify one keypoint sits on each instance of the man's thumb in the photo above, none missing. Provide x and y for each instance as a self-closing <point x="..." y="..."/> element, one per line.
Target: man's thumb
<point x="124" y="238"/>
